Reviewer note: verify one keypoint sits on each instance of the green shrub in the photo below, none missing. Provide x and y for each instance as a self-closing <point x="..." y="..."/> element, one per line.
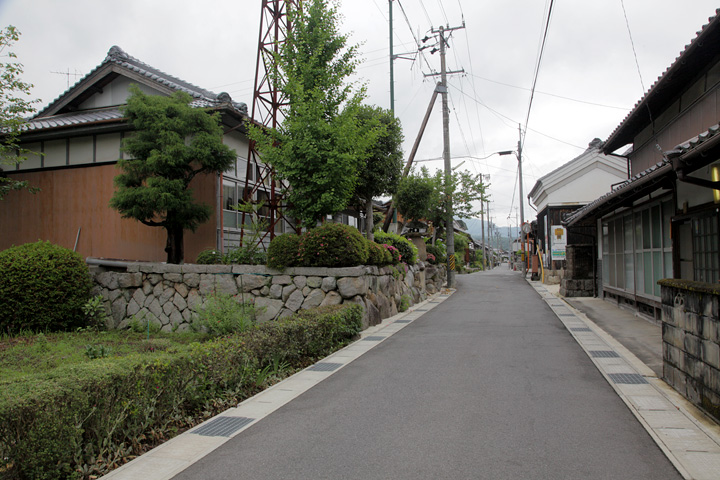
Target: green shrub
<point x="333" y="245"/>
<point x="379" y="255"/>
<point x="248" y="255"/>
<point x="408" y="251"/>
<point x="222" y="314"/>
<point x="394" y="253"/>
<point x="209" y="257"/>
<point x="86" y="419"/>
<point x="438" y="252"/>
<point x="43" y="287"/>
<point x="404" y="303"/>
<point x="283" y="251"/>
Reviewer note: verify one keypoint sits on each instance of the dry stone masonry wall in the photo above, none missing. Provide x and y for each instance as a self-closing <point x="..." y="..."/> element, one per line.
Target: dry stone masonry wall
<point x="169" y="295"/>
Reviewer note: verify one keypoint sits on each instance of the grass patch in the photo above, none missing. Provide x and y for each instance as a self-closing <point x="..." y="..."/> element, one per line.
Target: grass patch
<point x="31" y="355"/>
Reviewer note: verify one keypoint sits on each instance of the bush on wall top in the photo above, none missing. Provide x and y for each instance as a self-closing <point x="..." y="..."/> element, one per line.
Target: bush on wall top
<point x="408" y="251"/>
<point x="333" y="245"/>
<point x="43" y="288"/>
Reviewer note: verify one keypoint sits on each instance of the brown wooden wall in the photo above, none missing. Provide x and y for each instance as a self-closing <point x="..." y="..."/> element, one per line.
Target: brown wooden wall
<point x="682" y="125"/>
<point x="73" y="198"/>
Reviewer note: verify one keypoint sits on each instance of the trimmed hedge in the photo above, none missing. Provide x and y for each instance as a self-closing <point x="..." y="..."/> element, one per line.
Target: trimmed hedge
<point x="333" y="245"/>
<point x="283" y="251"/>
<point x="43" y="287"/>
<point x="408" y="251"/>
<point x="379" y="255"/>
<point x="87" y="419"/>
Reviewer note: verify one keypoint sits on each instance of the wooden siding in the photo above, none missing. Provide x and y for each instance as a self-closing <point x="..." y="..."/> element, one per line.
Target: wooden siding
<point x="73" y="198"/>
<point x="695" y="119"/>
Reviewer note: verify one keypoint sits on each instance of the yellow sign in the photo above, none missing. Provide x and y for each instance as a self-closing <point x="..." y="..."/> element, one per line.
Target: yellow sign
<point x="451" y="261"/>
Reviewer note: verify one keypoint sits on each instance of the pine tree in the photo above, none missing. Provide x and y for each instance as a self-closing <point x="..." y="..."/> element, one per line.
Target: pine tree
<point x="172" y="144"/>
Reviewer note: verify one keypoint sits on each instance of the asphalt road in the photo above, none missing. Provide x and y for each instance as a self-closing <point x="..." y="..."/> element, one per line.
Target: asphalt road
<point x="487" y="385"/>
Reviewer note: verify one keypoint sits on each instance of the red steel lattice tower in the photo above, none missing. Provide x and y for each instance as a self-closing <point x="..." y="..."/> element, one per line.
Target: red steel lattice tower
<point x="267" y="111"/>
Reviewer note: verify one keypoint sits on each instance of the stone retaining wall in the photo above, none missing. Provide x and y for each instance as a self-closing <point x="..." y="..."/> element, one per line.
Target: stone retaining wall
<point x="169" y="294"/>
<point x="691" y="341"/>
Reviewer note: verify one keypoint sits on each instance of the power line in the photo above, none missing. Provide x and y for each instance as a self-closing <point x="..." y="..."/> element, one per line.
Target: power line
<point x="632" y="43"/>
<point x="514" y="126"/>
<point x="550" y="94"/>
<point x="537" y="69"/>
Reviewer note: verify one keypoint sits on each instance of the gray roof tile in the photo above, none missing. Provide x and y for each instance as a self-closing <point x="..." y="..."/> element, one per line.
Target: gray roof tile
<point x="202" y="97"/>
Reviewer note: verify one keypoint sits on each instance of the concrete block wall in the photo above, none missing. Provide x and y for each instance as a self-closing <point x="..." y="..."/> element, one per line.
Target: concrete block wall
<point x="691" y="341"/>
<point x="169" y="295"/>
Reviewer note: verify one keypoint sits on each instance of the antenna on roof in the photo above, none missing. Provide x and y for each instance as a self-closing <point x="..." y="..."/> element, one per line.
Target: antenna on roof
<point x="68" y="74"/>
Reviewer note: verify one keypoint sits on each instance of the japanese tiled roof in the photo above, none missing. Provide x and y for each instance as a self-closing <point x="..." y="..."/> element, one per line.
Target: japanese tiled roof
<point x="658" y="170"/>
<point x="698" y="52"/>
<point x="201" y="98"/>
<point x="74" y="119"/>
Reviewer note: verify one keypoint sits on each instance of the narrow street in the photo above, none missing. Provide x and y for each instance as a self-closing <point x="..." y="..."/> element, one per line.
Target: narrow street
<point x="487" y="385"/>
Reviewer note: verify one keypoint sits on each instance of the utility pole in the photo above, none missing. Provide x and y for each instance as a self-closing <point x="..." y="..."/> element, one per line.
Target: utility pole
<point x="487" y="202"/>
<point x="392" y="62"/>
<point x="519" y="156"/>
<point x="482" y="227"/>
<point x="526" y="263"/>
<point x="449" y="227"/>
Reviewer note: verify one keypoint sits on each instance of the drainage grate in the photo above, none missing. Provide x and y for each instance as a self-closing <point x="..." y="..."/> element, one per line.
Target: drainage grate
<point x="627" y="378"/>
<point x="565" y="314"/>
<point x="325" y="367"/>
<point x="421" y="310"/>
<point x="603" y="354"/>
<point x="403" y="321"/>
<point x="374" y="339"/>
<point x="580" y="329"/>
<point x="222" y="426"/>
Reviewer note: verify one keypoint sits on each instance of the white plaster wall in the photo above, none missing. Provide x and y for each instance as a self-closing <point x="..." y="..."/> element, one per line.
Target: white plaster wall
<point x="115" y="93"/>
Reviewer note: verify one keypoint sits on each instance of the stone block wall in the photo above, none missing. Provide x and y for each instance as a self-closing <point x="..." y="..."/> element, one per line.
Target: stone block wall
<point x="691" y="341"/>
<point x="169" y="294"/>
<point x="577" y="280"/>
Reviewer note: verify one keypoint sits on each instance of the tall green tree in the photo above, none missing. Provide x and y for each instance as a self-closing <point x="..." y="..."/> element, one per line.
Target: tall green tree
<point x="418" y="194"/>
<point x="172" y="144"/>
<point x="381" y="169"/>
<point x="422" y="196"/>
<point x="318" y="146"/>
<point x="14" y="106"/>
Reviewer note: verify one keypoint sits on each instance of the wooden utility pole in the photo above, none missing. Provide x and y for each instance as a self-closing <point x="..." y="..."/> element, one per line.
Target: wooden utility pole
<point x="449" y="227"/>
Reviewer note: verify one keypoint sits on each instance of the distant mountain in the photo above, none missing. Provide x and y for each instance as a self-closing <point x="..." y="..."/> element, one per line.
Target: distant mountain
<point x="475" y="228"/>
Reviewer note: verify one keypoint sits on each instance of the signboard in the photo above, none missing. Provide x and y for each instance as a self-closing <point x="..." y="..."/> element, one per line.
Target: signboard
<point x="558" y="241"/>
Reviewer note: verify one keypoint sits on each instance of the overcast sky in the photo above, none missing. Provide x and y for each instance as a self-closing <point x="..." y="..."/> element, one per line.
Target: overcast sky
<point x="588" y="79"/>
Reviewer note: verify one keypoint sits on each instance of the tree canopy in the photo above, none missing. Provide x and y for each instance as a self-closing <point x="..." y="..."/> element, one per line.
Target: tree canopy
<point x="14" y="106"/>
<point x="317" y="147"/>
<point x="172" y="144"/>
<point x="422" y="196"/>
<point x="381" y="169"/>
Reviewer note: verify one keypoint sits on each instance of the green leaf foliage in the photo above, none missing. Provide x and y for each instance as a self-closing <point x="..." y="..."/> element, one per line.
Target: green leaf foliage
<point x="380" y="255"/>
<point x="417" y="194"/>
<point x="283" y="251"/>
<point x="43" y="287"/>
<point x="318" y="147"/>
<point x="172" y="144"/>
<point x="86" y="419"/>
<point x="408" y="251"/>
<point x="333" y="245"/>
<point x="14" y="107"/>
